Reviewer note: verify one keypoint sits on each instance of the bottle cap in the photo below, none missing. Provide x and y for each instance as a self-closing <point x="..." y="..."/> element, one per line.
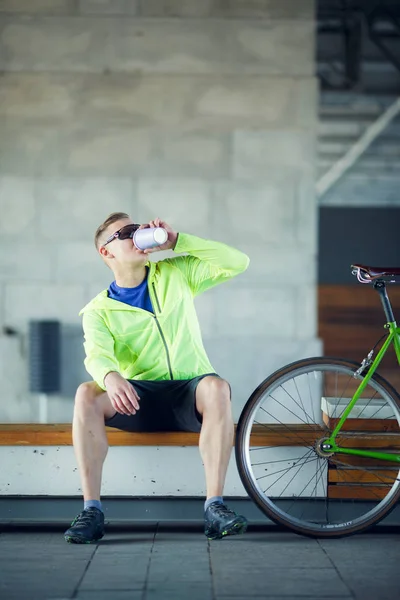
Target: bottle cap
<point x="160" y="235"/>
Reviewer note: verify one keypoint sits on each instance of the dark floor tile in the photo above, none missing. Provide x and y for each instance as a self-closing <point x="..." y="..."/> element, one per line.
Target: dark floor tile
<point x="179" y="591"/>
<point x="284" y="582"/>
<point x="270" y="556"/>
<point x="267" y="596"/>
<point x="41" y="537"/>
<point x="180" y="594"/>
<point x="110" y="595"/>
<point x="135" y="582"/>
<point x="176" y="575"/>
<point x="377" y="594"/>
<point x="42" y="592"/>
<point x="180" y="548"/>
<point x="134" y="541"/>
<point x="11" y="594"/>
<point x="361" y="549"/>
<point x="31" y="582"/>
<point x="270" y="537"/>
<point x="163" y="554"/>
<point x="56" y="597"/>
<point x="381" y="583"/>
<point x="123" y="561"/>
<point x="117" y="573"/>
<point x="178" y="538"/>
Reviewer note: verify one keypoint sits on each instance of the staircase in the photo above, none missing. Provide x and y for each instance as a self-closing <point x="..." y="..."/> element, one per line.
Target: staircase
<point x="375" y="178"/>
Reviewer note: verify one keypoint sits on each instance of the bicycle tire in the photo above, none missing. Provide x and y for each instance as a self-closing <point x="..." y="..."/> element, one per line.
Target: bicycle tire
<point x="240" y="451"/>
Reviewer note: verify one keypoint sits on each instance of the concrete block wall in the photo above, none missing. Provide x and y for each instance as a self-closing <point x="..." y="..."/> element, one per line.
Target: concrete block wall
<point x="202" y="113"/>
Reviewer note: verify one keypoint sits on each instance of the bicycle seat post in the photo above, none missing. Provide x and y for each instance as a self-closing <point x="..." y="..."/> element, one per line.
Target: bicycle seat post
<point x="380" y="287"/>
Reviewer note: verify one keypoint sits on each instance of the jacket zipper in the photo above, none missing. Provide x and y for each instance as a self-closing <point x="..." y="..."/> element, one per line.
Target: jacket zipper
<point x="161" y="332"/>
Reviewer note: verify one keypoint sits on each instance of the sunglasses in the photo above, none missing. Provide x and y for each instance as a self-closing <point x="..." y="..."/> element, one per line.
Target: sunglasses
<point x="124" y="233"/>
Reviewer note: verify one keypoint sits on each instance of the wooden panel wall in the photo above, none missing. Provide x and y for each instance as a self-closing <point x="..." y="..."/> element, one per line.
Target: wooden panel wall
<point x="351" y="321"/>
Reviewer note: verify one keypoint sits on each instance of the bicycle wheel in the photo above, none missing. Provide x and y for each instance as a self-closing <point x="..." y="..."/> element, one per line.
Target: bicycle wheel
<point x="279" y="448"/>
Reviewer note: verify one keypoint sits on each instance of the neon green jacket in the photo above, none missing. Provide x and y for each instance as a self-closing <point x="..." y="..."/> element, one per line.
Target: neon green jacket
<point x="166" y="344"/>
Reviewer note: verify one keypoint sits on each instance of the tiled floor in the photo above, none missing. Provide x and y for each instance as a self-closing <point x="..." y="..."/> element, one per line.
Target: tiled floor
<point x="174" y="565"/>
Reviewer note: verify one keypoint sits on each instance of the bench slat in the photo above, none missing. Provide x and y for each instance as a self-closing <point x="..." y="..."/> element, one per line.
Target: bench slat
<point x="377" y="425"/>
<point x="36" y="434"/>
<point x="358" y="476"/>
<point x="61" y="435"/>
<point x="357" y="492"/>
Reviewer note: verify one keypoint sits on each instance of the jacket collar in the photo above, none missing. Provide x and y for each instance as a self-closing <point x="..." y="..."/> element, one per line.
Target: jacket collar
<point x="103" y="302"/>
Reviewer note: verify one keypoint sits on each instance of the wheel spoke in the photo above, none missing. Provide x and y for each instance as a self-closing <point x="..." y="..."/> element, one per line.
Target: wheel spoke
<point x="301" y="402"/>
<point x="279" y="478"/>
<point x="307" y="484"/>
<point x="285" y="470"/>
<point x="342" y="396"/>
<point x="295" y="475"/>
<point x="320" y="468"/>
<point x="309" y="389"/>
<point x="306" y="443"/>
<point x="272" y="462"/>
<point x="288" y="409"/>
<point x="368" y="403"/>
<point x="377" y="411"/>
<point x="300" y="406"/>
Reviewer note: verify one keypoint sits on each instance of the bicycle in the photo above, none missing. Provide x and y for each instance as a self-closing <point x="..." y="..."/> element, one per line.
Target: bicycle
<point x="322" y="436"/>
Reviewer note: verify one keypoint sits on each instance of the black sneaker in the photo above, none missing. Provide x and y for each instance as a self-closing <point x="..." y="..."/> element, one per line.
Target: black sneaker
<point x="87" y="527"/>
<point x="221" y="521"/>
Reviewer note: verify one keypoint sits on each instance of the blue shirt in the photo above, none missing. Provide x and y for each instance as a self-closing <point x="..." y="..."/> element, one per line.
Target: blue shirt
<point x="137" y="296"/>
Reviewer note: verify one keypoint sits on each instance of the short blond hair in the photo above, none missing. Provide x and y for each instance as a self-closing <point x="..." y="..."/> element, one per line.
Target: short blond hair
<point x="113" y="218"/>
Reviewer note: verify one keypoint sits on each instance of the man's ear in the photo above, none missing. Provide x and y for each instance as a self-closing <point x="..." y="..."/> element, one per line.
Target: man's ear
<point x="104" y="252"/>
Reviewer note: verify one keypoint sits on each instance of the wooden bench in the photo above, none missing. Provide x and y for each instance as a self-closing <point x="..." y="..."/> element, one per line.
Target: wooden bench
<point x="343" y="482"/>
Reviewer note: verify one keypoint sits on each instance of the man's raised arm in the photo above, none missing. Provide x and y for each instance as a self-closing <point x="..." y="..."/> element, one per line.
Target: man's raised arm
<point x="208" y="262"/>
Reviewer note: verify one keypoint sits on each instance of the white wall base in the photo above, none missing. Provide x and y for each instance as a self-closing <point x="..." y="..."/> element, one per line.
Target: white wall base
<point x="128" y="471"/>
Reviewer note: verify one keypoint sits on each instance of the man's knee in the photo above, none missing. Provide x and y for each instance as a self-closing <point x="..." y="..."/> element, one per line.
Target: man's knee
<point x="87" y="392"/>
<point x="214" y="394"/>
<point x="216" y="386"/>
<point x="91" y="398"/>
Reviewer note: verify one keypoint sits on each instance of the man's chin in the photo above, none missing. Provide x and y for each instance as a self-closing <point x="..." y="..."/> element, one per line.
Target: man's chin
<point x="139" y="257"/>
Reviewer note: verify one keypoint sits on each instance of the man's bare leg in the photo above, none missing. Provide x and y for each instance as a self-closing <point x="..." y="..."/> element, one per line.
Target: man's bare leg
<point x="216" y="437"/>
<point x="92" y="406"/>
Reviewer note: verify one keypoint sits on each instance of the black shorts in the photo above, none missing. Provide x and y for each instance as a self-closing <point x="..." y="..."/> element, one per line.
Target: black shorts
<point x="166" y="405"/>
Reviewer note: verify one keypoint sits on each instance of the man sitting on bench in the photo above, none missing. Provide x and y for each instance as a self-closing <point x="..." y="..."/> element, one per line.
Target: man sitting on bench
<point x="150" y="370"/>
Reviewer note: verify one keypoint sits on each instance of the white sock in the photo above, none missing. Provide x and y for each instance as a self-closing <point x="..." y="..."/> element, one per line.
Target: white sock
<point x="211" y="500"/>
<point x="93" y="503"/>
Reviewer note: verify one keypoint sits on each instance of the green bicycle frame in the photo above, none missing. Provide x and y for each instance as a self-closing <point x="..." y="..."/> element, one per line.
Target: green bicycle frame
<point x="393" y="337"/>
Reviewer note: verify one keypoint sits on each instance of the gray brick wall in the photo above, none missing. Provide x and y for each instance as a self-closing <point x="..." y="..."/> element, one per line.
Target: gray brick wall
<point x="203" y="113"/>
<point x="269" y="9"/>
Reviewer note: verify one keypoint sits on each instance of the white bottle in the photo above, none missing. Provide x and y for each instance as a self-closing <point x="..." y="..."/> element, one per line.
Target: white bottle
<point x="151" y="237"/>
